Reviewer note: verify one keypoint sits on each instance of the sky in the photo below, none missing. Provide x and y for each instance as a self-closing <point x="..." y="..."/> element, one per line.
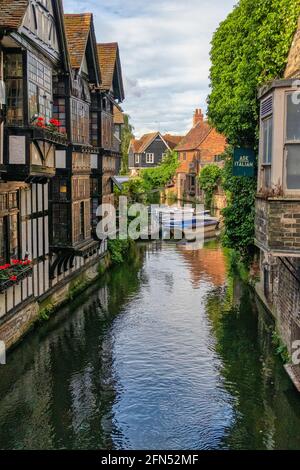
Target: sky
<point x="164" y="47"/>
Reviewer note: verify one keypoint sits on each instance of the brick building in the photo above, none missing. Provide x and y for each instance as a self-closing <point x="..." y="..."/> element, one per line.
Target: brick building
<point x="201" y="146"/>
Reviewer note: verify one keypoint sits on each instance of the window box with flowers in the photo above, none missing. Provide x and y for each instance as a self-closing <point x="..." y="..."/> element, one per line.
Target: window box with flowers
<point x="49" y="130"/>
<point x="11" y="274"/>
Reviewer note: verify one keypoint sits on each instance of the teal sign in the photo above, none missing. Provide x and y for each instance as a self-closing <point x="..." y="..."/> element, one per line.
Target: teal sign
<point x="243" y="162"/>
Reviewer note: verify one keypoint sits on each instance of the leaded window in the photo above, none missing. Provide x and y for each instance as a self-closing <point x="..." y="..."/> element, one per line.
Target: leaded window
<point x="60" y="223"/>
<point x="80" y="119"/>
<point x="14" y="84"/>
<point x="9" y="227"/>
<point x="39" y="88"/>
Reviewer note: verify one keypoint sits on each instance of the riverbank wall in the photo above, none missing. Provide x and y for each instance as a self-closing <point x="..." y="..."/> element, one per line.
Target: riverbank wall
<point x="279" y="289"/>
<point x="16" y="324"/>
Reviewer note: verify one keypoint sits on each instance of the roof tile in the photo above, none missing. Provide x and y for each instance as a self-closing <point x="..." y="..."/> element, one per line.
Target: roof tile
<point x="195" y="137"/>
<point x="107" y="54"/>
<point x="77" y="31"/>
<point x="12" y="13"/>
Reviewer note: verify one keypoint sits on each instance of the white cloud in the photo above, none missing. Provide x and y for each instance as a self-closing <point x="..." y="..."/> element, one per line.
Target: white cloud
<point x="164" y="48"/>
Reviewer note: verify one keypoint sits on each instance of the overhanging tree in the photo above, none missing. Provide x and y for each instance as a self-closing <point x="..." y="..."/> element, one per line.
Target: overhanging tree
<point x="248" y="49"/>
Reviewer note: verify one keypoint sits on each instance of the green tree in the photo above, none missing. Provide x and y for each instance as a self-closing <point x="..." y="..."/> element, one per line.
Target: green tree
<point x="248" y="49"/>
<point x="157" y="178"/>
<point x="127" y="135"/>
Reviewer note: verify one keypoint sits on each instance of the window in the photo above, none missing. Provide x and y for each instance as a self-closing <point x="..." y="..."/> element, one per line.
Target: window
<point x="9" y="227"/>
<point x="184" y="156"/>
<point x="267" y="131"/>
<point x="4" y="249"/>
<point x="14" y="83"/>
<point x="137" y="158"/>
<point x="292" y="144"/>
<point x="39" y="88"/>
<point x="60" y="216"/>
<point x="60" y="189"/>
<point x="80" y="119"/>
<point x="292" y="120"/>
<point x="149" y="157"/>
<point x="81" y="220"/>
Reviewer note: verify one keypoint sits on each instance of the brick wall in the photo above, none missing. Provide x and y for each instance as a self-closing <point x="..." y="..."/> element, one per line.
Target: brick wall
<point x="278" y="224"/>
<point x="283" y="298"/>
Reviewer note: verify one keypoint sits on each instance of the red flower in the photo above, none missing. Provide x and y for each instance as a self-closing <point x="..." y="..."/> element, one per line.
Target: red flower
<point x="6" y="266"/>
<point x="41" y="119"/>
<point x="13" y="278"/>
<point x="55" y="122"/>
<point x="15" y="261"/>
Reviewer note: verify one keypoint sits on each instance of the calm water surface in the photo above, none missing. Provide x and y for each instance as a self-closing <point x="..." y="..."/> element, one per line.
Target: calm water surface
<point x="170" y="351"/>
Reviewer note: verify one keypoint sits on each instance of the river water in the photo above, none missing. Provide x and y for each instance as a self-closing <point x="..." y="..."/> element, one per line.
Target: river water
<point x="169" y="351"/>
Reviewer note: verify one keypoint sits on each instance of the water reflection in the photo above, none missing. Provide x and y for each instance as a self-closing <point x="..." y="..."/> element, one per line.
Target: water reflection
<point x="167" y="351"/>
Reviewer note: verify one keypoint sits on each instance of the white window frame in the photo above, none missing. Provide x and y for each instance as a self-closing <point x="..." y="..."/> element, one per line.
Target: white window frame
<point x="149" y="157"/>
<point x="137" y="159"/>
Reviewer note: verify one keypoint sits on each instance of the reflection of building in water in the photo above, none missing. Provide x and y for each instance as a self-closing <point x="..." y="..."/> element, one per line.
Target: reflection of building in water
<point x="205" y="264"/>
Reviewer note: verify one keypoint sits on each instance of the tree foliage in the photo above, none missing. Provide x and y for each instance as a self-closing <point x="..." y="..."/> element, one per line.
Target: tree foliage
<point x="127" y="135"/>
<point x="209" y="179"/>
<point x="248" y="49"/>
<point x="158" y="177"/>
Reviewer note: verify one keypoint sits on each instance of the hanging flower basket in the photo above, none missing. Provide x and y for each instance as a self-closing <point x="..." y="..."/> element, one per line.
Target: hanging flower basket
<point x="13" y="273"/>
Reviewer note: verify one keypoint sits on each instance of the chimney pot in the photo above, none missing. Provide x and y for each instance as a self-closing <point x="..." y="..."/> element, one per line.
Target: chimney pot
<point x="198" y="116"/>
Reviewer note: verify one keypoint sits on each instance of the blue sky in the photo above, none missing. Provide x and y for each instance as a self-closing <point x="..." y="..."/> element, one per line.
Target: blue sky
<point x="164" y="47"/>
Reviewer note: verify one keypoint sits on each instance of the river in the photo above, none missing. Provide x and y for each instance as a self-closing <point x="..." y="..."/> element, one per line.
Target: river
<point x="168" y="351"/>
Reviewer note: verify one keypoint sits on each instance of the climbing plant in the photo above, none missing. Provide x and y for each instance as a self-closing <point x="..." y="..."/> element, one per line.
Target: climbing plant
<point x="248" y="49"/>
<point x="209" y="179"/>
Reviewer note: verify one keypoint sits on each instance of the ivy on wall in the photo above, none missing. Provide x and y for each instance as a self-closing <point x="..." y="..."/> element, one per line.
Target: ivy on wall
<point x="249" y="49"/>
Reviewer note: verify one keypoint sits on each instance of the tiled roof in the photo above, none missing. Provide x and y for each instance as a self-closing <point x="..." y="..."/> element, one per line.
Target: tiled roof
<point x="140" y="145"/>
<point x="107" y="54"/>
<point x="293" y="65"/>
<point x="12" y="13"/>
<point x="195" y="137"/>
<point x="118" y="116"/>
<point x="77" y="31"/>
<point x="172" y="140"/>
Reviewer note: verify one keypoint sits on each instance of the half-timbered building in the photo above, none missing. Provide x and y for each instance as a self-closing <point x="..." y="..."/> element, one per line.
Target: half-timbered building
<point x="71" y="236"/>
<point x="112" y="94"/>
<point x="57" y="146"/>
<point x="33" y="51"/>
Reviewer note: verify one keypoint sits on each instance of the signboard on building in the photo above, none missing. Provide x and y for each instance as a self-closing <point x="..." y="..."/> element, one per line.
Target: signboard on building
<point x="243" y="162"/>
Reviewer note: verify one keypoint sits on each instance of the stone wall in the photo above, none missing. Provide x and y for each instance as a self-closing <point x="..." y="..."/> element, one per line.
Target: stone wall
<point x="278" y="225"/>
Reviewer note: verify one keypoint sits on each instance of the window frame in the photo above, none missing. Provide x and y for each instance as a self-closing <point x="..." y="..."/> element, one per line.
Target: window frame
<point x="288" y="143"/>
<point x="150" y="158"/>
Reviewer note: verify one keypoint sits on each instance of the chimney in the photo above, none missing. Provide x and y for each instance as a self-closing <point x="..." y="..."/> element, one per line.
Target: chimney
<point x="198" y="117"/>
